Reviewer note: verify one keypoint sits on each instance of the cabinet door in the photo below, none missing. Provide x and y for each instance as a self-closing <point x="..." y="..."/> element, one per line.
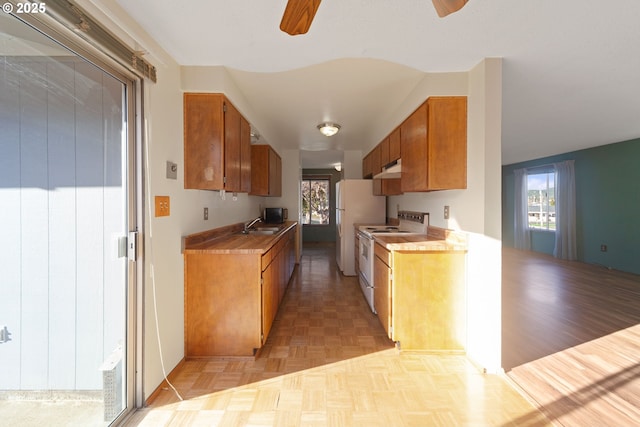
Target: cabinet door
<point x="394" y="145"/>
<point x="447" y="143"/>
<point x="231" y="148"/>
<point x="366" y="166"/>
<point x="384" y="152"/>
<point x="270" y="298"/>
<point x="391" y="187"/>
<point x="382" y="294"/>
<point x="245" y="155"/>
<point x="413" y="139"/>
<point x="433" y="141"/>
<point x="275" y="174"/>
<point x="203" y="141"/>
<point x="429" y="301"/>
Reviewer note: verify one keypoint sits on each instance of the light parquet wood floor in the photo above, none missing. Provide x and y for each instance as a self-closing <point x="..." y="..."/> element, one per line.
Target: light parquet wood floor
<point x="327" y="362"/>
<point x="571" y="338"/>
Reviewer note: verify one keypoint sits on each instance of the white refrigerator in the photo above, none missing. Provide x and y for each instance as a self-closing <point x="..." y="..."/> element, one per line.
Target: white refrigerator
<point x="355" y="203"/>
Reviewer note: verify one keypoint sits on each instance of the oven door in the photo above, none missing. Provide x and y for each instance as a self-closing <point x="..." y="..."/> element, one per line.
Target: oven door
<point x="366" y="253"/>
<point x="366" y="268"/>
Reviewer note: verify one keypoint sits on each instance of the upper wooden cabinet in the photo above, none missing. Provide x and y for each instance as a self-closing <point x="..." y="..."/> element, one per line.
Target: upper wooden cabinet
<point x="383" y="148"/>
<point x="266" y="171"/>
<point x="394" y="145"/>
<point x="245" y="156"/>
<point x="367" y="170"/>
<point x="217" y="144"/>
<point x="434" y="145"/>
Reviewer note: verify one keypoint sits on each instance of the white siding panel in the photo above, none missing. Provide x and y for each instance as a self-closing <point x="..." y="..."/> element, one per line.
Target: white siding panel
<point x="34" y="228"/>
<point x="10" y="249"/>
<point x="115" y="220"/>
<point x="62" y="210"/>
<point x="62" y="215"/>
<point x="90" y="220"/>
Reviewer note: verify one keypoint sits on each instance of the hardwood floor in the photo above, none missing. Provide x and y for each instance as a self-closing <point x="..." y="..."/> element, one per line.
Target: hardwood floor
<point x="327" y="362"/>
<point x="571" y="338"/>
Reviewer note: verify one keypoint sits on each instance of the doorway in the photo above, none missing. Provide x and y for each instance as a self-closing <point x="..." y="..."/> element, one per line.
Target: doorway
<point x="66" y="186"/>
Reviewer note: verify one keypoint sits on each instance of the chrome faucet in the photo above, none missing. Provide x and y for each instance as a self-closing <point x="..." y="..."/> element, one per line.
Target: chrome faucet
<point x="251" y="223"/>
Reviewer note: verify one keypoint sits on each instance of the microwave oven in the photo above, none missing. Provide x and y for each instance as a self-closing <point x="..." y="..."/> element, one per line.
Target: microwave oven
<point x="275" y="215"/>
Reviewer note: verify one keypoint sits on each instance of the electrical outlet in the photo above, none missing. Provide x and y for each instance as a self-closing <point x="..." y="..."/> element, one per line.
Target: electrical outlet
<point x="603" y="248"/>
<point x="206" y="214"/>
<point x="446" y="212"/>
<point x="163" y="206"/>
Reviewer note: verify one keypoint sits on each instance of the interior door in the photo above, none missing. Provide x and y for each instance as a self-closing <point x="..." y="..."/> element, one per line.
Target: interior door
<point x="66" y="213"/>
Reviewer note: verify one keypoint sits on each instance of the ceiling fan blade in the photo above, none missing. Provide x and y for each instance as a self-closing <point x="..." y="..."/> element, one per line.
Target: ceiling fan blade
<point x="298" y="16"/>
<point x="445" y="7"/>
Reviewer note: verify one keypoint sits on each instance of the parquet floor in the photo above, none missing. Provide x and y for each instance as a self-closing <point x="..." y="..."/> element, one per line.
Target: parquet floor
<point x="327" y="362"/>
<point x="571" y="339"/>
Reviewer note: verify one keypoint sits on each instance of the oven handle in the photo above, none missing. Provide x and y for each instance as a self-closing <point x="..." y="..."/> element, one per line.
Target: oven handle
<point x="365" y="281"/>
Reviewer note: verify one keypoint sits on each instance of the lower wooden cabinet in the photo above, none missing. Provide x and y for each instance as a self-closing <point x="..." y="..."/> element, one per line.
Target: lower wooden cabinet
<point x="231" y="299"/>
<point x="420" y="298"/>
<point x="277" y="266"/>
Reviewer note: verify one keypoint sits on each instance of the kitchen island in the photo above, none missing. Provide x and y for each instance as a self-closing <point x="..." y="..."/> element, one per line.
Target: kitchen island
<point x="420" y="293"/>
<point x="234" y="283"/>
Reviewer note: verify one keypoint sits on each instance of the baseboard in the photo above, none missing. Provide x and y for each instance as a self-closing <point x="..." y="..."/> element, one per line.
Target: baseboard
<point x="164" y="385"/>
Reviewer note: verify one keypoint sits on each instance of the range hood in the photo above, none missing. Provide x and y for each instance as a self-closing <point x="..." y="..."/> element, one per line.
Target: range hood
<point x="390" y="171"/>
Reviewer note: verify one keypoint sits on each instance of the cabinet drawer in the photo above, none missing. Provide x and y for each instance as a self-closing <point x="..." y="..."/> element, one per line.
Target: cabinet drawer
<point x="382" y="253"/>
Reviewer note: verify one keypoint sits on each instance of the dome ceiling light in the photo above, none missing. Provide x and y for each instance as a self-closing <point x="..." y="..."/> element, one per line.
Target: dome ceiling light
<point x="328" y="129"/>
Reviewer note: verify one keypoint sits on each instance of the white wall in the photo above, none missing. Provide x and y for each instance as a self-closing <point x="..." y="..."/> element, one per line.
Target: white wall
<point x="475" y="210"/>
<point x="352" y="164"/>
<point x="164" y="115"/>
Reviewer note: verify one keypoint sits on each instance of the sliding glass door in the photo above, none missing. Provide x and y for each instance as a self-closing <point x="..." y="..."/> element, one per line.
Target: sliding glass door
<point x="65" y="217"/>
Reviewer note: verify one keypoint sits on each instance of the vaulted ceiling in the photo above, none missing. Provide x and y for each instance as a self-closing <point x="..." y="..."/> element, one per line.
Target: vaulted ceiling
<point x="571" y="68"/>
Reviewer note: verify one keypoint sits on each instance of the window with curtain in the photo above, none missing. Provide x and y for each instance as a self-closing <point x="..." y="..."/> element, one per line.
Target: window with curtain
<point x="541" y="200"/>
<point x="315" y="201"/>
<point x="545" y="199"/>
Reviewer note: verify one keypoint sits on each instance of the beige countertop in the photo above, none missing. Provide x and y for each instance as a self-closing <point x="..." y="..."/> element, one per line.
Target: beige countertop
<point x="230" y="240"/>
<point x="437" y="239"/>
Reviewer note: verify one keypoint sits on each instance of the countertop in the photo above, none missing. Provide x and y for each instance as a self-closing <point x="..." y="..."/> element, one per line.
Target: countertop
<point x="436" y="239"/>
<point x="230" y="240"/>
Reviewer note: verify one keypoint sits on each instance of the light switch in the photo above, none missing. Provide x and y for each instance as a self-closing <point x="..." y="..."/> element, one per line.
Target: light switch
<point x="172" y="170"/>
<point x="163" y="206"/>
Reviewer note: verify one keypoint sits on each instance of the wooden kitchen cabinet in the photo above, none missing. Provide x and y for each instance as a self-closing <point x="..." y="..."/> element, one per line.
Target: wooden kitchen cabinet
<point x="433" y="143"/>
<point x="216" y="144"/>
<point x="384" y="152"/>
<point x="380" y="158"/>
<point x="394" y="145"/>
<point x="420" y="298"/>
<point x="232" y="298"/>
<point x="266" y="171"/>
<point x="245" y="156"/>
<point x="382" y="284"/>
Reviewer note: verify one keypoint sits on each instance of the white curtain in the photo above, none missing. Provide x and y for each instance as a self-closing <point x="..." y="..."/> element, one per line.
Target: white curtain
<point x="565" y="211"/>
<point x="521" y="238"/>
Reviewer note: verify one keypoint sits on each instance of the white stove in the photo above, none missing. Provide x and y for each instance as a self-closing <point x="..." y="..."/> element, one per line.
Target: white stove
<point x="408" y="223"/>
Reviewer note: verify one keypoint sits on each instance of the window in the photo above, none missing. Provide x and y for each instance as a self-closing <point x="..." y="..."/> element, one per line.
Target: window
<point x="315" y="201"/>
<point x="541" y="197"/>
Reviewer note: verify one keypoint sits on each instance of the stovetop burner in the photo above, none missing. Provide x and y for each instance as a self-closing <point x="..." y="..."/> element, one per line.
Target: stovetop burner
<point x="410" y="223"/>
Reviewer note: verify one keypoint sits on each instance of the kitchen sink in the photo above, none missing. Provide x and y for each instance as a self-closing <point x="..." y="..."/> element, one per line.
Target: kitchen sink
<point x="266" y="228"/>
<point x="265" y="231"/>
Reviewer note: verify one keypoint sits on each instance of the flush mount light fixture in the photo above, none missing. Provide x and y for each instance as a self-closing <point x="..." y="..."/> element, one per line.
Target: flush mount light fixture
<point x="328" y="129"/>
